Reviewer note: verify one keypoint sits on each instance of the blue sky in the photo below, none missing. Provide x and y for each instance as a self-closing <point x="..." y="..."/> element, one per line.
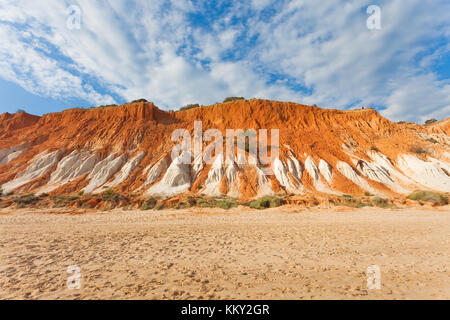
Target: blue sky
<point x="176" y="52"/>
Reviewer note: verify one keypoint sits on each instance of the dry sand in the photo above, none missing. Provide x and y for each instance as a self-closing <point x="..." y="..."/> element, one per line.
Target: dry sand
<point x="284" y="253"/>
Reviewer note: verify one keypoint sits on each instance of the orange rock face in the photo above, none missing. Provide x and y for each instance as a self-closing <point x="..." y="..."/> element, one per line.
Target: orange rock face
<point x="349" y="152"/>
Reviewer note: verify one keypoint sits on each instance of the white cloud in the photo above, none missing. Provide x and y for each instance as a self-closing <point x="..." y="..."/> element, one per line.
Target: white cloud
<point x="260" y="4"/>
<point x="419" y="98"/>
<point x="23" y="64"/>
<point x="151" y="49"/>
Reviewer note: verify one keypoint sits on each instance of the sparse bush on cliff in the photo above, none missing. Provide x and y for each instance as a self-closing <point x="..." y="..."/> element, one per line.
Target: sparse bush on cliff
<point x="430" y="121"/>
<point x="229" y="99"/>
<point x="428" y="196"/>
<point x="418" y="149"/>
<point x="112" y="196"/>
<point x="149" y="204"/>
<point x="26" y="200"/>
<point x="190" y="106"/>
<point x="139" y="100"/>
<point x="62" y="201"/>
<point x="106" y="106"/>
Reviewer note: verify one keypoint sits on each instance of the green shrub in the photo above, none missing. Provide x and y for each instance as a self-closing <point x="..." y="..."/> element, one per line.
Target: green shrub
<point x="314" y="201"/>
<point x="229" y="99"/>
<point x="265" y="203"/>
<point x="139" y="100"/>
<point x="190" y="106"/>
<point x="26" y="200"/>
<point x="349" y="201"/>
<point x="431" y="121"/>
<point x="83" y="205"/>
<point x="380" y="202"/>
<point x="216" y="203"/>
<point x="184" y="205"/>
<point x="226" y="204"/>
<point x="1" y="192"/>
<point x="367" y="194"/>
<point x="428" y="196"/>
<point x="107" y="106"/>
<point x="191" y="201"/>
<point x="112" y="196"/>
<point x="418" y="150"/>
<point x="203" y="203"/>
<point x="62" y="201"/>
<point x="149" y="204"/>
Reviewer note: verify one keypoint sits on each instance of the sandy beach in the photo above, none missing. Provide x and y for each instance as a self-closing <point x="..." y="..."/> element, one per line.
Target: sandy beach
<point x="282" y="253"/>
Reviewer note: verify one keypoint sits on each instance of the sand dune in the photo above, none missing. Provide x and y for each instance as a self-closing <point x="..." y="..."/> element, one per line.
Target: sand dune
<point x="283" y="253"/>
